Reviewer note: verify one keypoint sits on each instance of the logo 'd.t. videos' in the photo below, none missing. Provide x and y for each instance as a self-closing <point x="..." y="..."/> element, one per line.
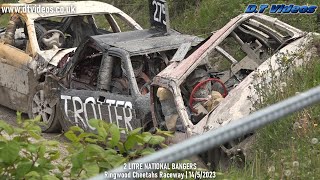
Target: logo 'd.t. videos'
<point x="281" y="9"/>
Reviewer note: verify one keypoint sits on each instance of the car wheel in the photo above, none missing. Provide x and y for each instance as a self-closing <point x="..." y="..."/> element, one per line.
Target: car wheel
<point x="40" y="105"/>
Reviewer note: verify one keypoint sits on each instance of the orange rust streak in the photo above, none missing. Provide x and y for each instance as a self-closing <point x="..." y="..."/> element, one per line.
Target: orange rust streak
<point x="13" y="55"/>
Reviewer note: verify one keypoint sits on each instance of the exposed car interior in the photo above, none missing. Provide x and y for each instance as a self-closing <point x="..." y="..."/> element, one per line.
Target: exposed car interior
<point x="92" y="69"/>
<point x="63" y="32"/>
<point x="244" y="49"/>
<point x="240" y="53"/>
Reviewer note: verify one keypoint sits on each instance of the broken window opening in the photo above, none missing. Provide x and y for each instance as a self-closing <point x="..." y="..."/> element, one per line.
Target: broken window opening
<point x="85" y="73"/>
<point x="15" y="34"/>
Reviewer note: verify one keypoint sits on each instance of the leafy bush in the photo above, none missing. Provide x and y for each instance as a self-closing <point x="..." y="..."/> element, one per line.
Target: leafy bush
<point x="24" y="154"/>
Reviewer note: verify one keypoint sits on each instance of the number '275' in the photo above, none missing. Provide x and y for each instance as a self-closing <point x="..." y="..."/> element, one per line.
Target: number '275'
<point x="159" y="12"/>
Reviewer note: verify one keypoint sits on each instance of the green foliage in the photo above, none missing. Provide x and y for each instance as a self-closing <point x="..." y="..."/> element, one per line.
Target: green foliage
<point x="109" y="147"/>
<point x="24" y="154"/>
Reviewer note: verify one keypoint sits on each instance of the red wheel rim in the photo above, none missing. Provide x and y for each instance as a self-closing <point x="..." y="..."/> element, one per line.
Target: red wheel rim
<point x="195" y="89"/>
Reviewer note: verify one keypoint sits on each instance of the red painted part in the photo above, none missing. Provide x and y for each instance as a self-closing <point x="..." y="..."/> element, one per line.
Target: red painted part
<point x="195" y="89"/>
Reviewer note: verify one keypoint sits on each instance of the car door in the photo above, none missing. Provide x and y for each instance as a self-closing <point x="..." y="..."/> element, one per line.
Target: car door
<point x="15" y="76"/>
<point x="81" y="103"/>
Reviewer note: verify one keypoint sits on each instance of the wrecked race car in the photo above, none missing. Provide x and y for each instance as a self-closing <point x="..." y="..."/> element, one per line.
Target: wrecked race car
<point x="189" y="98"/>
<point x="96" y="62"/>
<point x="109" y="78"/>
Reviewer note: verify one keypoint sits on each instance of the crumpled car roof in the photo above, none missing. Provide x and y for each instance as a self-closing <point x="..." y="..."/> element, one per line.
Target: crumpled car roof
<point x="144" y="41"/>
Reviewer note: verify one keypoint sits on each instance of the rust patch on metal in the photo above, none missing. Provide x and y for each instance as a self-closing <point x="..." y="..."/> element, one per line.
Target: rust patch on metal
<point x="13" y="56"/>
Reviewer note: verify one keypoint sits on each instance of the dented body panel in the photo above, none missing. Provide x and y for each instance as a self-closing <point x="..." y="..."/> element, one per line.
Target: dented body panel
<point x="145" y="41"/>
<point x="116" y="106"/>
<point x="262" y="42"/>
<point x="235" y="105"/>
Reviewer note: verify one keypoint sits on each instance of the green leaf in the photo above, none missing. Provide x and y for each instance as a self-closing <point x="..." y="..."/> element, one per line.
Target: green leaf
<point x="42" y="150"/>
<point x="121" y="147"/>
<point x="51" y="143"/>
<point x="3" y="139"/>
<point x="91" y="169"/>
<point x="10" y="152"/>
<point x="35" y="134"/>
<point x="156" y="140"/>
<point x="166" y="133"/>
<point x="146" y="139"/>
<point x="163" y="145"/>
<point x="105" y="165"/>
<point x="94" y="123"/>
<point x="147" y="151"/>
<point x="49" y="177"/>
<point x="44" y="163"/>
<point x="115" y="160"/>
<point x="23" y="168"/>
<point x="93" y="149"/>
<point x="33" y="128"/>
<point x="115" y="135"/>
<point x="19" y="130"/>
<point x="19" y="117"/>
<point x="37" y="118"/>
<point x="109" y="152"/>
<point x="146" y="134"/>
<point x="53" y="155"/>
<point x="90" y="140"/>
<point x="86" y="135"/>
<point x="135" y="131"/>
<point x="120" y="161"/>
<point x="32" y="148"/>
<point x="6" y="127"/>
<point x="130" y="142"/>
<point x="61" y="167"/>
<point x="76" y="129"/>
<point x="71" y="136"/>
<point x="32" y="174"/>
<point x="140" y="139"/>
<point x="77" y="160"/>
<point x="102" y="132"/>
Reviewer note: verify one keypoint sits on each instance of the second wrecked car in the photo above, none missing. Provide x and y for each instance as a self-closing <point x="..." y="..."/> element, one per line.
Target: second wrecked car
<point x="190" y="99"/>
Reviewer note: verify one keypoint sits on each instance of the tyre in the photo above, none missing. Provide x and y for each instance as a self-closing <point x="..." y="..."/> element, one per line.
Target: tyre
<point x="47" y="109"/>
